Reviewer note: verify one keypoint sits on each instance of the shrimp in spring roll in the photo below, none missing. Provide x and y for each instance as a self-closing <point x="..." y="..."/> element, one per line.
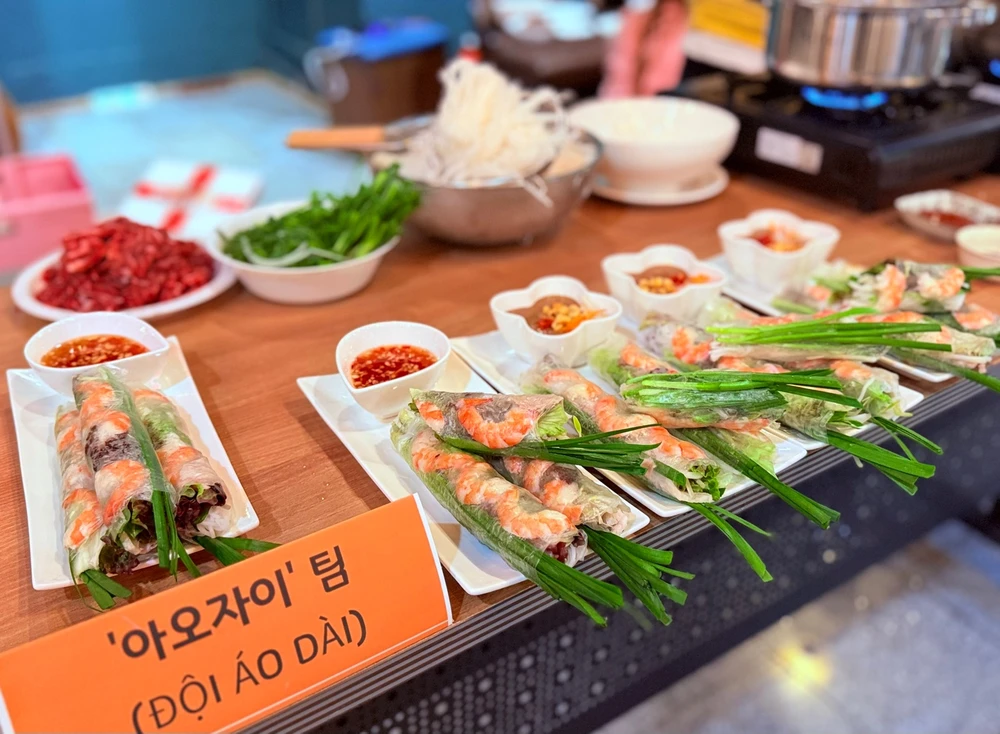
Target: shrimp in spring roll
<point x="567" y="489"/>
<point x="496" y="421"/>
<point x="123" y="474"/>
<point x="486" y="504"/>
<point x="621" y="360"/>
<point x="202" y="507"/>
<point x="84" y="522"/>
<point x="674" y="468"/>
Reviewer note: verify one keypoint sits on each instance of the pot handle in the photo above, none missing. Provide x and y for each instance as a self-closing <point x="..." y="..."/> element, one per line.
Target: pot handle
<point x="977" y="13"/>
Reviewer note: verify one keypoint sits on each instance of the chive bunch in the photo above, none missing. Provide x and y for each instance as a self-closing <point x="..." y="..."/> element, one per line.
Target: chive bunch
<point x="702" y="388"/>
<point x="831" y="330"/>
<point x="715" y="443"/>
<point x="330" y="229"/>
<point x="589" y="450"/>
<point x="641" y="569"/>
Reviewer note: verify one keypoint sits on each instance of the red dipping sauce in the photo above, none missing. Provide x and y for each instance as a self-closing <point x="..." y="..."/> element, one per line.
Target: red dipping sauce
<point x="381" y="364"/>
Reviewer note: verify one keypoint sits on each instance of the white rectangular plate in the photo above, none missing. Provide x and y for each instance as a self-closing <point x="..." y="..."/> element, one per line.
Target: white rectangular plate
<point x="34" y="405"/>
<point x="476" y="568"/>
<point x="491" y="356"/>
<point x="759" y="300"/>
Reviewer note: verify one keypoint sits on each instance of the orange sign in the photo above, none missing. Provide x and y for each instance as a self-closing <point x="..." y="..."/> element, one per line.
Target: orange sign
<point x="235" y="645"/>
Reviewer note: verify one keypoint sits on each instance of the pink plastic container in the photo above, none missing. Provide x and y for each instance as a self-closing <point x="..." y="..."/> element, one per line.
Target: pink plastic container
<point x="41" y="199"/>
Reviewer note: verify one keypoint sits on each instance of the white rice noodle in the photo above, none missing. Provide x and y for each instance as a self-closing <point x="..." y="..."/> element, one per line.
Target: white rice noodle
<point x="488" y="127"/>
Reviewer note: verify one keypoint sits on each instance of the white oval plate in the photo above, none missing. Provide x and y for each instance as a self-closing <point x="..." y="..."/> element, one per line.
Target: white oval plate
<point x="23" y="293"/>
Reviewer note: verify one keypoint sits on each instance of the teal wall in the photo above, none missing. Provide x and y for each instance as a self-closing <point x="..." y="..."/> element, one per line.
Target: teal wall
<point x="60" y="48"/>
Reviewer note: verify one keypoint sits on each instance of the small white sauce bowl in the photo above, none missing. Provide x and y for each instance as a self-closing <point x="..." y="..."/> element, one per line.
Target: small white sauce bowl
<point x="971" y="251"/>
<point x="682" y="305"/>
<point x="570" y="348"/>
<point x="769" y="270"/>
<point x="386" y="399"/>
<point x="138" y="369"/>
<point x="289" y="285"/>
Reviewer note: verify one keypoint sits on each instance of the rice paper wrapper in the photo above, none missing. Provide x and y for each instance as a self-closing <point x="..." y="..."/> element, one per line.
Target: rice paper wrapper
<point x="496" y="421"/>
<point x="568" y="490"/>
<point x="704" y="478"/>
<point x="121" y="454"/>
<point x="82" y="516"/>
<point x="504" y="517"/>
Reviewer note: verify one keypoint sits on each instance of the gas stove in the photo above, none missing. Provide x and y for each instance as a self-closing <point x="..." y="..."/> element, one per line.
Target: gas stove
<point x="865" y="146"/>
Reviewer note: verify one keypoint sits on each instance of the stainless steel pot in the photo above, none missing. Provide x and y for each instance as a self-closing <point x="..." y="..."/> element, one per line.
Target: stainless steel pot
<point x="881" y="44"/>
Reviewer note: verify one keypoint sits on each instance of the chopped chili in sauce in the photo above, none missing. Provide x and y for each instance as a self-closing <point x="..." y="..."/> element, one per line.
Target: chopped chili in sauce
<point x="88" y="350"/>
<point x="779" y="239"/>
<point x="948" y="219"/>
<point x="555" y="315"/>
<point x="665" y="279"/>
<point x="381" y="364"/>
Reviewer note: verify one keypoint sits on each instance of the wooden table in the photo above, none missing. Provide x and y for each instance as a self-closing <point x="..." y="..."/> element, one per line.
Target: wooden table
<point x="245" y="355"/>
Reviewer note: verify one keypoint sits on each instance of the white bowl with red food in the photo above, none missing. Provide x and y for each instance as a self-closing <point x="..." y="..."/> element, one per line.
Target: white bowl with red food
<point x="122" y="266"/>
<point x="62" y="350"/>
<point x="555" y="315"/>
<point x="382" y="362"/>
<point x="295" y="285"/>
<point x="665" y="279"/>
<point x="772" y="248"/>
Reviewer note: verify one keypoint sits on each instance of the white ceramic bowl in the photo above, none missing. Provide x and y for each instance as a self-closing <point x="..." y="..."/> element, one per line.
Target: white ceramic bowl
<point x="386" y="399"/>
<point x="138" y="369"/>
<point x="570" y="348"/>
<point x="682" y="305"/>
<point x="911" y="207"/>
<point x="769" y="270"/>
<point x="975" y="243"/>
<point x="316" y="284"/>
<point x="656" y="143"/>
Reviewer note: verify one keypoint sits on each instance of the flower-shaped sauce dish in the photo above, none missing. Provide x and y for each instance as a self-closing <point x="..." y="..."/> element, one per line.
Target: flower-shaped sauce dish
<point x="667" y="279"/>
<point x="555" y="315"/>
<point x="772" y="248"/>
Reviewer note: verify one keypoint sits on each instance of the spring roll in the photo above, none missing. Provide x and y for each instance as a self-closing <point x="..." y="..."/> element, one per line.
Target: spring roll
<point x="84" y="523"/>
<point x="125" y="475"/>
<point x="202" y="507"/>
<point x="567" y="489"/>
<point x="973" y="319"/>
<point x="487" y="505"/>
<point x="496" y="421"/>
<point x="675" y="468"/>
<point x="967" y="350"/>
<point x="620" y="360"/>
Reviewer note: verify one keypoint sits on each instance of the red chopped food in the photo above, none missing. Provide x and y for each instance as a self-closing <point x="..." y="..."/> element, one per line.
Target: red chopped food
<point x="381" y="364"/>
<point x="121" y="264"/>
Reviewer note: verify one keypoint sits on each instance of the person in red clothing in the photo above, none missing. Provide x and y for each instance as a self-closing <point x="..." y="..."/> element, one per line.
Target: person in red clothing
<point x="647" y="55"/>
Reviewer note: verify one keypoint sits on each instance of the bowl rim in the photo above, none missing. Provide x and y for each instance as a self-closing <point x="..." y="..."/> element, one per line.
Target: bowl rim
<point x="440" y="361"/>
<point x="731" y="120"/>
<point x="506" y="182"/>
<point x="162" y="348"/>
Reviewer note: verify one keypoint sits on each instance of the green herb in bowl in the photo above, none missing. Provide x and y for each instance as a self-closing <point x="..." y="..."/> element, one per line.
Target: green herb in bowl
<point x="330" y="229"/>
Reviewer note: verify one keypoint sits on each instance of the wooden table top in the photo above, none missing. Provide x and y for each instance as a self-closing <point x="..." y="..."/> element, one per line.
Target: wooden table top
<point x="246" y="354"/>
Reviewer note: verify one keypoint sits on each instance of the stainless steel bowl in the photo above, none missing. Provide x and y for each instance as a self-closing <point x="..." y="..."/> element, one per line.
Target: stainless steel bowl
<point x="877" y="44"/>
<point x="505" y="214"/>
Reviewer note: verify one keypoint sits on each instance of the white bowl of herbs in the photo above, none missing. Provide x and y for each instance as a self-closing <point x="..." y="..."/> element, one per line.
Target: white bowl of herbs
<point x="321" y="249"/>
